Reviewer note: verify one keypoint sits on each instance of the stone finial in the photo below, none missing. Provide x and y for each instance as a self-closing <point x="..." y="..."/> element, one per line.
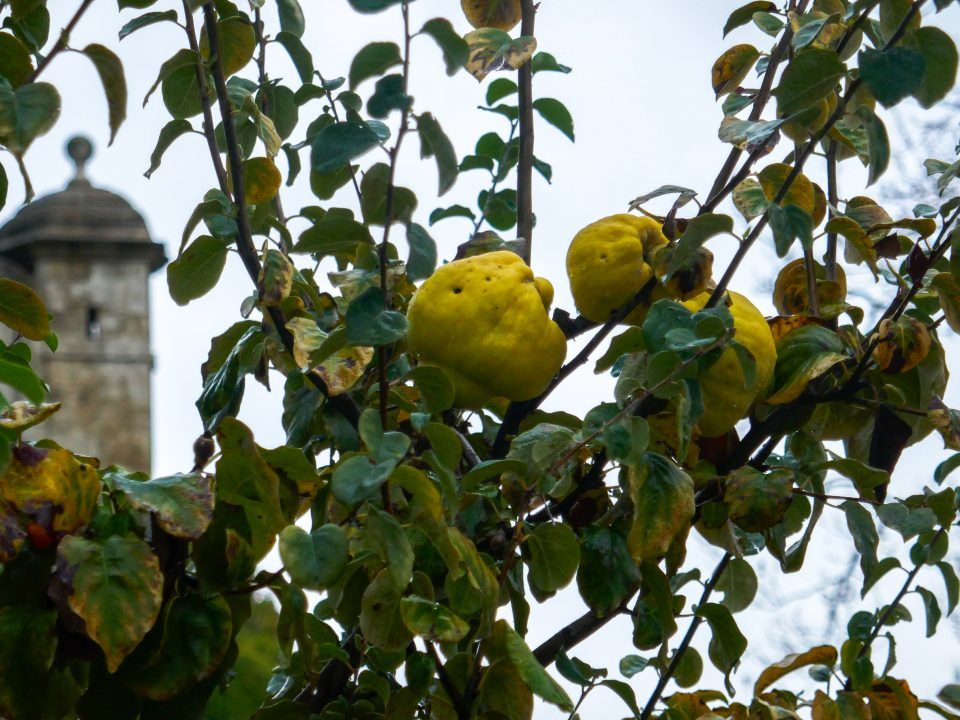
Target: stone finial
<point x="79" y="149"/>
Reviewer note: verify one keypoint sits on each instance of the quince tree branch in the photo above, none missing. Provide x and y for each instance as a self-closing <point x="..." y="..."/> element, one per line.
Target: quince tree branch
<point x="525" y="163"/>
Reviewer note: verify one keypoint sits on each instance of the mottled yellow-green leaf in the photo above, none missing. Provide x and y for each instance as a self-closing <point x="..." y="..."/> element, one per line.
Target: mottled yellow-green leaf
<point x="431" y="620"/>
<point x="237" y="43"/>
<point x="116" y="587"/>
<point x="261" y="180"/>
<point x="182" y="504"/>
<point x="903" y="345"/>
<point x="492" y="49"/>
<point x="663" y="506"/>
<point x="948" y="290"/>
<point x="820" y="655"/>
<point x="380" y="618"/>
<point x="344" y="368"/>
<point x="23" y="310"/>
<point x="38" y="481"/>
<point x="800" y="192"/>
<point x="732" y="67"/>
<point x="21" y="415"/>
<point x="276" y="278"/>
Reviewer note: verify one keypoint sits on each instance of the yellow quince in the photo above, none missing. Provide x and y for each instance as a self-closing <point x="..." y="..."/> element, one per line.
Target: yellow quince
<point x="484" y="321"/>
<point x="725" y="394"/>
<point x="609" y="261"/>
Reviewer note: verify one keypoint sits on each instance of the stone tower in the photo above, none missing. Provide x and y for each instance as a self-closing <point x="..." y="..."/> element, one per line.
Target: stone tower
<point x="88" y="254"/>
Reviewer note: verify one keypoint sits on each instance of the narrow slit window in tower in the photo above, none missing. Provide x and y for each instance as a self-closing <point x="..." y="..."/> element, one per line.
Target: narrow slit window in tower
<point x="94" y="329"/>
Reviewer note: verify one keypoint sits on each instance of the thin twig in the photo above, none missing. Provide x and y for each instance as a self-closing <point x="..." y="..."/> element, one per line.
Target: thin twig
<point x="687" y="638"/>
<point x="204" y="91"/>
<point x="525" y="163"/>
<point x="799" y="162"/>
<point x="62" y="42"/>
<point x="822" y="496"/>
<point x="833" y="199"/>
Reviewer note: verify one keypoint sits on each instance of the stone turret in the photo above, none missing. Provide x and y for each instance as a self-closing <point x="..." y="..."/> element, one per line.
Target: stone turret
<point x="88" y="254"/>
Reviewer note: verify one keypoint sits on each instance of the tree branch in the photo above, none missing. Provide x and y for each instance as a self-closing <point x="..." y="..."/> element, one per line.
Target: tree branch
<point x="525" y="162"/>
<point x="687" y="638"/>
<point x="61" y="43"/>
<point x="799" y="163"/>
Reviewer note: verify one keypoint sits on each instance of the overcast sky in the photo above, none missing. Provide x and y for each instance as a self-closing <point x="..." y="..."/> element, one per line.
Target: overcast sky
<point x="645" y="116"/>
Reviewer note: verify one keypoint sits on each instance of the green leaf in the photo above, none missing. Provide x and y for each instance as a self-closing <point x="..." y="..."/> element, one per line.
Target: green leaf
<point x="630" y="665"/>
<point x="554" y="556"/>
<point x="373" y="60"/>
<point x="369" y="323"/>
<point x="813" y="74"/>
<point x="336" y="145"/>
<point x="373" y="205"/>
<point x="509" y="644"/>
<point x="26" y="113"/>
<point x="314" y="560"/>
<point x="168" y="133"/>
<point x="196" y="635"/>
<point x="246" y="481"/>
<point x="545" y="62"/>
<point x="803" y="355"/>
<point x="371" y="6"/>
<point x="864" y="533"/>
<point x="738" y="585"/>
<point x="22" y="310"/>
<point x="422" y="260"/>
<point x="950" y="694"/>
<point x="435" y="143"/>
<point x="388" y="96"/>
<point x="336" y="235"/>
<point x="150" y="18"/>
<point x="181" y="92"/>
<point x="952" y="585"/>
<point x="624" y="692"/>
<point x="891" y="75"/>
<point x="432" y="621"/>
<point x="291" y="17"/>
<point x="116" y="589"/>
<point x="181" y="504"/>
<point x="197" y="270"/>
<point x="699" y="230"/>
<point x="490" y="469"/>
<point x="455" y="49"/>
<point x="744" y="14"/>
<point x="387" y="538"/>
<point x="499" y="89"/>
<point x="940" y="63"/>
<point x="555" y="113"/>
<point x="28" y="643"/>
<point x="607" y="574"/>
<point x="299" y="55"/>
<point x="932" y="608"/>
<point x="357" y="479"/>
<point x="663" y="506"/>
<point x="750" y="199"/>
<point x="789" y="224"/>
<point x="15" y="63"/>
<point x="727" y="644"/>
<point x="878" y="144"/>
<point x="381" y="620"/>
<point x="17" y="373"/>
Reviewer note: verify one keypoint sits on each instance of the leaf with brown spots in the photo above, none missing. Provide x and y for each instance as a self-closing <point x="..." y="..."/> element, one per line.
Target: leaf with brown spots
<point x="116" y="587"/>
<point x="492" y="49"/>
<point x="39" y="481"/>
<point x="732" y="67"/>
<point x="182" y="504"/>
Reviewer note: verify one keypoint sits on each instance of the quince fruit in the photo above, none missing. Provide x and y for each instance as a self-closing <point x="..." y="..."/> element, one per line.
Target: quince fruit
<point x="500" y="14"/>
<point x="609" y="261"/>
<point x="483" y="320"/>
<point x="725" y="394"/>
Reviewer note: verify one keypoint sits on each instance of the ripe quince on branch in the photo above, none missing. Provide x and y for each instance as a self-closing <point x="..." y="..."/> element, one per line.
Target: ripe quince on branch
<point x="484" y="321"/>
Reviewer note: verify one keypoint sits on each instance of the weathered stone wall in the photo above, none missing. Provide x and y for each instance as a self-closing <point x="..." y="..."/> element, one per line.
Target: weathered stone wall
<point x="101" y="370"/>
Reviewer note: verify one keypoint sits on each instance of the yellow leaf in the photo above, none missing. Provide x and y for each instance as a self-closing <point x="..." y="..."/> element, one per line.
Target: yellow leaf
<point x="820" y="655"/>
<point x="22" y="415"/>
<point x="903" y="345"/>
<point x="342" y="369"/>
<point x="732" y="67"/>
<point x="800" y="193"/>
<point x="38" y="481"/>
<point x="824" y="708"/>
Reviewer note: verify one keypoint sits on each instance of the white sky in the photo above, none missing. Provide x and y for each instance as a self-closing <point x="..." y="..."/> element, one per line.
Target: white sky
<point x="645" y="116"/>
